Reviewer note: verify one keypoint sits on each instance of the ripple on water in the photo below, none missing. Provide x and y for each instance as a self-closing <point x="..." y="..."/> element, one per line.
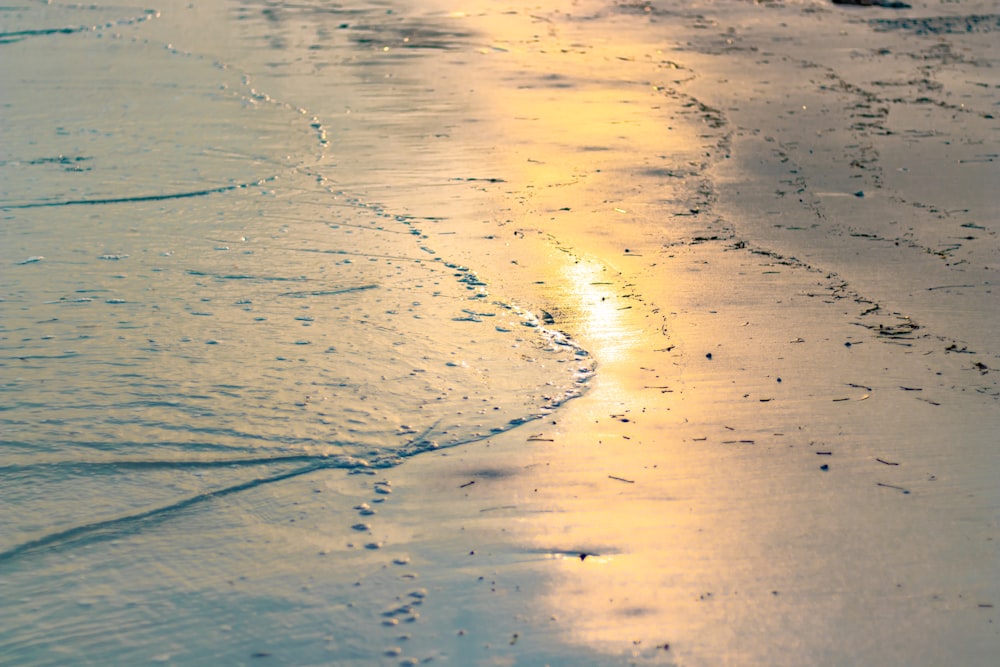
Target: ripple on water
<point x="146" y="371"/>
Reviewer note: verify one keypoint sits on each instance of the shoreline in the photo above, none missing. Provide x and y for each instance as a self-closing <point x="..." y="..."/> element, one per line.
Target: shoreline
<point x="758" y="472"/>
<point x="785" y="455"/>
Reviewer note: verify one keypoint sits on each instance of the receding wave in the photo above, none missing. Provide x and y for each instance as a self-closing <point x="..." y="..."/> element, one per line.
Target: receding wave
<point x="188" y="311"/>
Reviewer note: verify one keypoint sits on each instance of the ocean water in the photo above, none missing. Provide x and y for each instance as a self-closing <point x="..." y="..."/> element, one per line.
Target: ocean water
<point x="185" y="284"/>
<point x="192" y="302"/>
<point x="205" y="310"/>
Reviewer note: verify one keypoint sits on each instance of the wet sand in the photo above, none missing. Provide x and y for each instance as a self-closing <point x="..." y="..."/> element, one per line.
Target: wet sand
<point x="777" y="238"/>
<point x="773" y="227"/>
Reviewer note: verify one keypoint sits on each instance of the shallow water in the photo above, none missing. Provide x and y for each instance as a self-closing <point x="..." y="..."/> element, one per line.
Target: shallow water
<point x="187" y="287"/>
<point x="201" y="298"/>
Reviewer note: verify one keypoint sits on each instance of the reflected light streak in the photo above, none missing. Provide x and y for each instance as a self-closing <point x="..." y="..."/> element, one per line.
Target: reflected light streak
<point x="586" y="151"/>
<point x="601" y="324"/>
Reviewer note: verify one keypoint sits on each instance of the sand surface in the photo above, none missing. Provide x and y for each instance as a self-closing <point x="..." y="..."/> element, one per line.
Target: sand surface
<point x="772" y="226"/>
<point x="768" y="232"/>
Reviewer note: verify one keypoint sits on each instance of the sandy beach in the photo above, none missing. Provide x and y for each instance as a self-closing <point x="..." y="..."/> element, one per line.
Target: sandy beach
<point x="763" y="238"/>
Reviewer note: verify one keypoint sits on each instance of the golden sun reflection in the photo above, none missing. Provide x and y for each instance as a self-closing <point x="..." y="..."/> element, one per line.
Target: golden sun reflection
<point x="592" y="297"/>
<point x="599" y="165"/>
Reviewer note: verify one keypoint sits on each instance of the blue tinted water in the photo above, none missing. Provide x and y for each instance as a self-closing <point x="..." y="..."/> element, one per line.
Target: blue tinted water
<point x="186" y="287"/>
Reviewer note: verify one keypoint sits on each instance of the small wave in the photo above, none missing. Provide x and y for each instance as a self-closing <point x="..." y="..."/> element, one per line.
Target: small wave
<point x="200" y="371"/>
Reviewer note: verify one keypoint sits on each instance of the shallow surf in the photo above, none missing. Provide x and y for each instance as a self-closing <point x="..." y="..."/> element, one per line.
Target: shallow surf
<point x="189" y="287"/>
